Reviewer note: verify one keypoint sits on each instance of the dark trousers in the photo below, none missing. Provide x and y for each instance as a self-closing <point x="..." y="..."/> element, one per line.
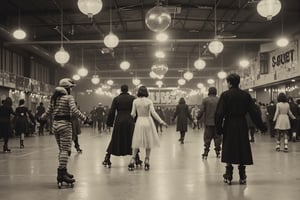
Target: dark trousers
<point x="272" y="125"/>
<point x="251" y="131"/>
<point x="101" y="125"/>
<point x="209" y="134"/>
<point x="76" y="143"/>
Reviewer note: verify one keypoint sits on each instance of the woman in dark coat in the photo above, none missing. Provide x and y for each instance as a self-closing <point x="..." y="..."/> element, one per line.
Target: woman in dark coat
<point x="123" y="123"/>
<point x="5" y="126"/>
<point x="182" y="113"/>
<point x="232" y="108"/>
<point x="23" y="116"/>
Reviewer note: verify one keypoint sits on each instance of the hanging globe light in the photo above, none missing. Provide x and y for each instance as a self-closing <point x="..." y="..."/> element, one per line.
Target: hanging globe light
<point x="160" y="76"/>
<point x="188" y="75"/>
<point x="124" y="65"/>
<point x="95" y="80"/>
<point x="160" y="54"/>
<point x="62" y="56"/>
<point x="83" y="71"/>
<point x="216" y="46"/>
<point x="19" y="34"/>
<point x="200" y="85"/>
<point x="90" y="7"/>
<point x="222" y="75"/>
<point x="162" y="37"/>
<point x="181" y="81"/>
<point x="199" y="64"/>
<point x="136" y="81"/>
<point x="159" y="68"/>
<point x="244" y="63"/>
<point x="152" y="75"/>
<point x="76" y="77"/>
<point x="111" y="40"/>
<point x="210" y="81"/>
<point x="159" y="83"/>
<point x="158" y="19"/>
<point x="268" y="8"/>
<point x="282" y="42"/>
<point x="110" y="82"/>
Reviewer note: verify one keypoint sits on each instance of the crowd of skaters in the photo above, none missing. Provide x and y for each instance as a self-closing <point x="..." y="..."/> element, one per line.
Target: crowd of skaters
<point x="227" y="120"/>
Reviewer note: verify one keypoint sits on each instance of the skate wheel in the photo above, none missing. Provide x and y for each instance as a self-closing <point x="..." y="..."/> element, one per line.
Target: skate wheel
<point x="59" y="185"/>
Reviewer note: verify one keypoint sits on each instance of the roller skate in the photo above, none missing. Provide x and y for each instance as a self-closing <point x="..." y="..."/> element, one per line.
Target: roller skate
<point x="147" y="165"/>
<point x="78" y="150"/>
<point x="106" y="161"/>
<point x="277" y="146"/>
<point x="228" y="174"/>
<point x="205" y="154"/>
<point x="21" y="144"/>
<point x="63" y="178"/>
<point x="294" y="137"/>
<point x="6" y="149"/>
<point x="138" y="162"/>
<point x="218" y="153"/>
<point x="286" y="148"/>
<point x="131" y="164"/>
<point x="242" y="173"/>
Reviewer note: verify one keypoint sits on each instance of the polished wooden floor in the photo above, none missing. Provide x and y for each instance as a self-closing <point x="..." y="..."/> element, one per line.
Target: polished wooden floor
<point x="177" y="171"/>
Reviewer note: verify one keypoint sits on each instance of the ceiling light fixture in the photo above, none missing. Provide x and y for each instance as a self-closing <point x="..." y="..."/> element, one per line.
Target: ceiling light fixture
<point x="111" y="40"/>
<point x="268" y="8"/>
<point x="124" y="65"/>
<point x="221" y="74"/>
<point x="216" y="46"/>
<point x="188" y="75"/>
<point x="159" y="83"/>
<point x="162" y="37"/>
<point x="76" y="77"/>
<point x="210" y="81"/>
<point x="136" y="81"/>
<point x="61" y="56"/>
<point x="82" y="71"/>
<point x="95" y="80"/>
<point x="181" y="81"/>
<point x="19" y="33"/>
<point x="110" y="82"/>
<point x="90" y="7"/>
<point x="158" y="18"/>
<point x="159" y="68"/>
<point x="199" y="64"/>
<point x="200" y="85"/>
<point x="160" y="54"/>
<point x="282" y="41"/>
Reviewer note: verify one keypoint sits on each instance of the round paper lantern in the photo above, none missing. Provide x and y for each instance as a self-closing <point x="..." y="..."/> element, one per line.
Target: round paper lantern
<point x="124" y="65"/>
<point x="268" y="8"/>
<point x="95" y="80"/>
<point x="90" y="7"/>
<point x="188" y="75"/>
<point x="62" y="56"/>
<point x="216" y="46"/>
<point x="111" y="40"/>
<point x="159" y="68"/>
<point x="199" y="64"/>
<point x="222" y="75"/>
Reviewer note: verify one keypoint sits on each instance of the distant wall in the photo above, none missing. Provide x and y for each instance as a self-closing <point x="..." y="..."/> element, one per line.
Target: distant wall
<point x="88" y="101"/>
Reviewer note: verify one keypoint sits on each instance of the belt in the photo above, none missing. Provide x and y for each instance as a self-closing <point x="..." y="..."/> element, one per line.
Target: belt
<point x="62" y="117"/>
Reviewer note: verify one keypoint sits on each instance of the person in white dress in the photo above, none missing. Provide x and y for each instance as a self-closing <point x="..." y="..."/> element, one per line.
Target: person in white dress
<point x="282" y="120"/>
<point x="145" y="135"/>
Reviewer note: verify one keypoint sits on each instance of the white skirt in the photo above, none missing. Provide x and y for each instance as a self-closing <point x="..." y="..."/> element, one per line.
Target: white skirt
<point x="145" y="134"/>
<point x="283" y="122"/>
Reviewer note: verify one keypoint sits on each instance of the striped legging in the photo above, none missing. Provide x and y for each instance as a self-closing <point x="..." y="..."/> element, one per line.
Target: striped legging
<point x="63" y="133"/>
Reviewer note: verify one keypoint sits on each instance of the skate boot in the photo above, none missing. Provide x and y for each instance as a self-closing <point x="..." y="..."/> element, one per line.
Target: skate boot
<point x="106" y="161"/>
<point x="278" y="146"/>
<point x="138" y="161"/>
<point x="228" y="174"/>
<point x="6" y="149"/>
<point x="69" y="175"/>
<point x="294" y="137"/>
<point x="242" y="173"/>
<point x="21" y="144"/>
<point x="63" y="178"/>
<point x="147" y="165"/>
<point x="286" y="148"/>
<point x="131" y="164"/>
<point x="205" y="154"/>
<point x="78" y="150"/>
<point x="218" y="153"/>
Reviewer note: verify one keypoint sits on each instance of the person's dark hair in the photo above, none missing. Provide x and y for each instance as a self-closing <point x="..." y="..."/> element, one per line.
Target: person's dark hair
<point x="41" y="103"/>
<point x="7" y="102"/>
<point x="21" y="102"/>
<point x="233" y="79"/>
<point x="254" y="100"/>
<point x="291" y="100"/>
<point x="271" y="102"/>
<point x="212" y="91"/>
<point x="298" y="101"/>
<point x="281" y="97"/>
<point x="124" y="88"/>
<point x="142" y="92"/>
<point x="181" y="101"/>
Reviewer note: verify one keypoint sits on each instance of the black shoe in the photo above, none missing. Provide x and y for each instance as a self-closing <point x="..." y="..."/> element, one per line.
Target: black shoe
<point x="6" y="149"/>
<point x="131" y="165"/>
<point x="138" y="161"/>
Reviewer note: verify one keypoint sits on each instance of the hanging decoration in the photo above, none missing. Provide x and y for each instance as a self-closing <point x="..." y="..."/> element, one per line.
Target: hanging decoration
<point x="159" y="68"/>
<point x="110" y="82"/>
<point x="19" y="33"/>
<point x="90" y="7"/>
<point x="95" y="80"/>
<point x="136" y="81"/>
<point x="111" y="40"/>
<point x="76" y="77"/>
<point x="158" y="18"/>
<point x="268" y="8"/>
<point x="181" y="81"/>
<point x="159" y="83"/>
<point x="210" y="81"/>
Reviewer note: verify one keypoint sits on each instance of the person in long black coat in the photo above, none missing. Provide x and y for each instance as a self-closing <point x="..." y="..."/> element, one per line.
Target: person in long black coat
<point x="123" y="126"/>
<point x="183" y="114"/>
<point x="231" y="122"/>
<point x="5" y="124"/>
